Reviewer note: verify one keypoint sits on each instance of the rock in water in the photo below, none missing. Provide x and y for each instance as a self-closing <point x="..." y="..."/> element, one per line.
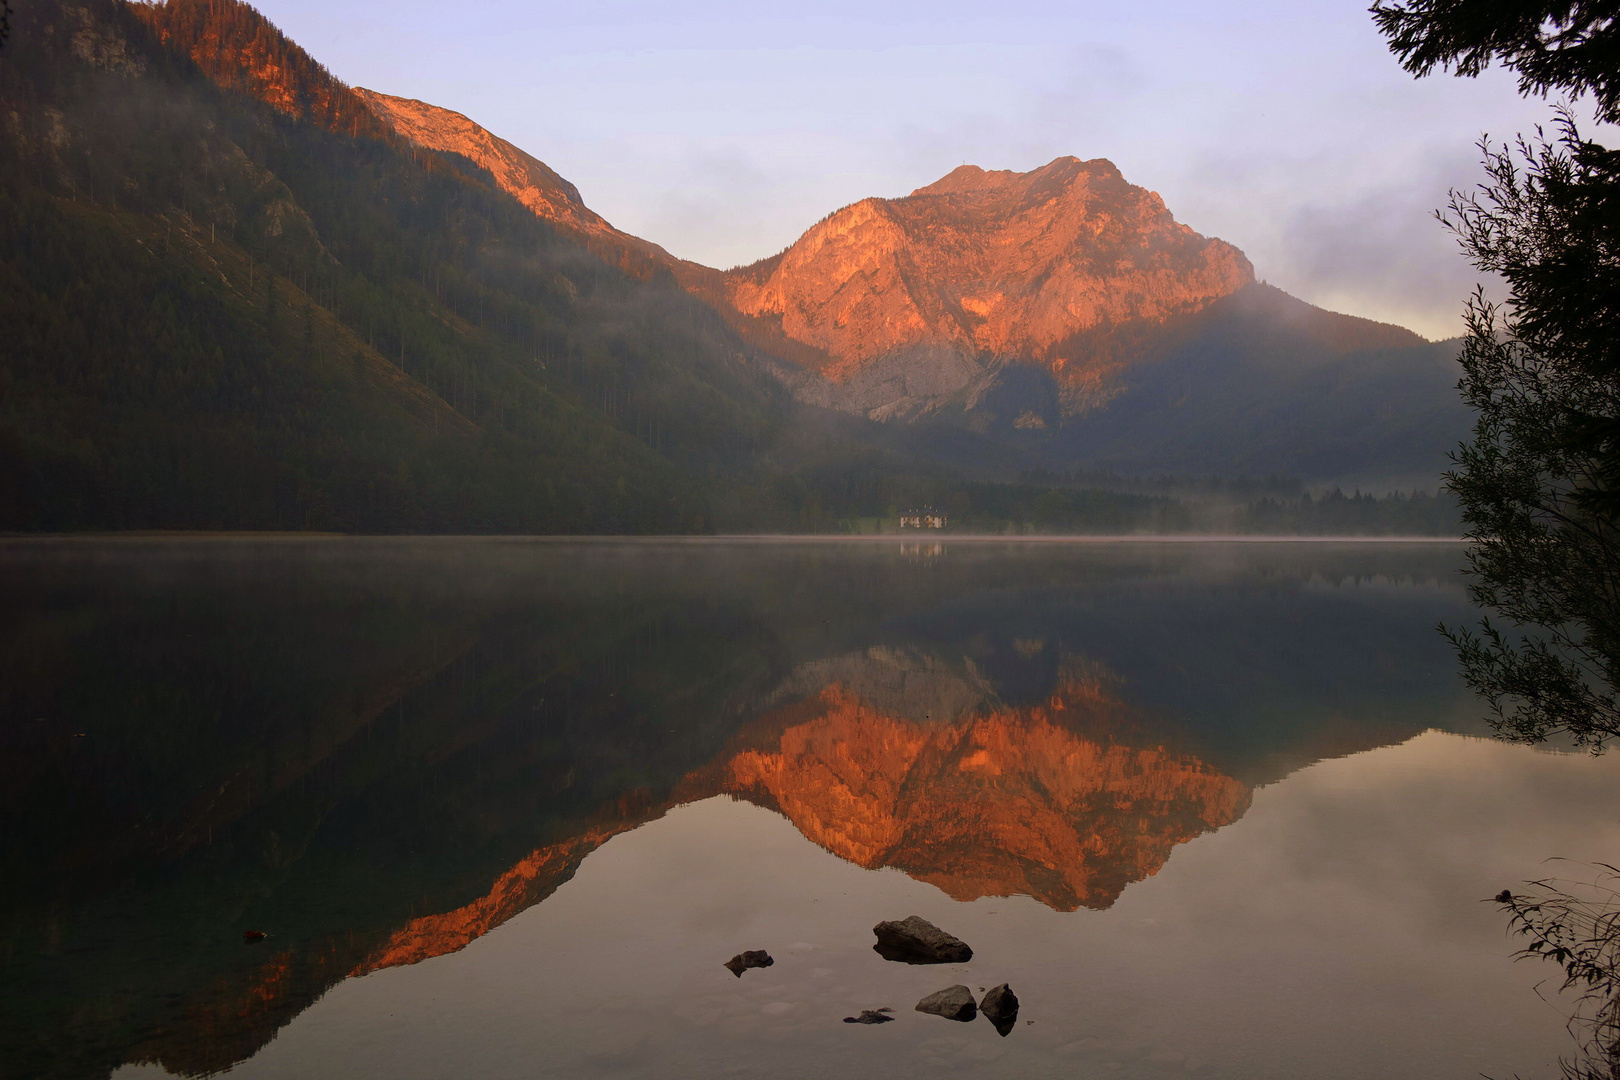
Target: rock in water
<point x="1000" y="1007"/>
<point x="753" y="958"/>
<point x="915" y="940"/>
<point x="953" y="1003"/>
<point x="870" y="1016"/>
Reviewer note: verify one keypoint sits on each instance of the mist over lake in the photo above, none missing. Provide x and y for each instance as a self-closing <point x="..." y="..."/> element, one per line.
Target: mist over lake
<point x="501" y="807"/>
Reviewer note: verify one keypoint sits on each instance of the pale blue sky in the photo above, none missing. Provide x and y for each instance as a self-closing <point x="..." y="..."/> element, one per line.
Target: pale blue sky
<point x="723" y="130"/>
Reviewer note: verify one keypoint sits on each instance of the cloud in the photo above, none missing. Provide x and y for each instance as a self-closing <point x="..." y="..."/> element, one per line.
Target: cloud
<point x="1379" y="251"/>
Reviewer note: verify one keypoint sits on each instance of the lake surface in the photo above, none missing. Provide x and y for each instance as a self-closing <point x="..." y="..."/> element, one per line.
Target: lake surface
<point x="502" y="808"/>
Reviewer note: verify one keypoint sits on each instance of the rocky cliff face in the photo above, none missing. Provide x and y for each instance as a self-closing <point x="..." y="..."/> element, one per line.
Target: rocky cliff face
<point x="528" y="179"/>
<point x="918" y="302"/>
<point x="998" y="264"/>
<point x="891" y="308"/>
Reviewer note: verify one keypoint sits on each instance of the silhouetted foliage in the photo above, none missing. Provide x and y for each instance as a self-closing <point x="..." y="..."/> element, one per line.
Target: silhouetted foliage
<point x="1357" y="514"/>
<point x="1576" y="925"/>
<point x="1537" y="482"/>
<point x="1553" y="45"/>
<point x="1540" y="480"/>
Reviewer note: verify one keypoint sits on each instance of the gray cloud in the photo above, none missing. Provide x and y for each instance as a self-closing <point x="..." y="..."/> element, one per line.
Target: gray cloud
<point x="1382" y="252"/>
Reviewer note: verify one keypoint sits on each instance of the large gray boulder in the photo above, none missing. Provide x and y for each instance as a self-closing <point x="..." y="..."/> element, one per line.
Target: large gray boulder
<point x="915" y="940"/>
<point x="953" y="1003"/>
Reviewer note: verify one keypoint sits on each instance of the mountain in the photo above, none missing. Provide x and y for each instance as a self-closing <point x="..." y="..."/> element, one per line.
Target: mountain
<point x="233" y="298"/>
<point x="531" y="181"/>
<point x="240" y="294"/>
<point x="982" y="266"/>
<point x="1048" y="319"/>
<point x="1013" y="801"/>
<point x="1063" y="316"/>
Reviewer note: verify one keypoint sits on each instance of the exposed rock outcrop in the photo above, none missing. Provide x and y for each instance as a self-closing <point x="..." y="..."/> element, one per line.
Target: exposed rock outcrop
<point x="1025" y="306"/>
<point x="240" y="50"/>
<point x="1000" y="1007"/>
<point x="526" y="178"/>
<point x="917" y="300"/>
<point x="915" y="940"/>
<point x="750" y="958"/>
<point x="953" y="1003"/>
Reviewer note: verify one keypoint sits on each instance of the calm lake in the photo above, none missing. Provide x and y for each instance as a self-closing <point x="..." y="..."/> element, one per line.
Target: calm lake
<point x="503" y="808"/>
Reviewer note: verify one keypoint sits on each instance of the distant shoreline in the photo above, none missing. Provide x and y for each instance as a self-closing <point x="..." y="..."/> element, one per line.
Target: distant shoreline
<point x="761" y="538"/>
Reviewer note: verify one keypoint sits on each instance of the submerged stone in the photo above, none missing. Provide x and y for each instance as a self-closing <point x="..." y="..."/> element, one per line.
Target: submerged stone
<point x="871" y="1016"/>
<point x="753" y="958"/>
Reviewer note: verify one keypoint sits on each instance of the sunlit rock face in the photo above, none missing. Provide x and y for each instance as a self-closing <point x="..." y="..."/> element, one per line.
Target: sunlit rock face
<point x="526" y="178"/>
<point x="998" y="803"/>
<point x="240" y="50"/>
<point x="532" y="181"/>
<point x="893" y="308"/>
<point x="986" y="266"/>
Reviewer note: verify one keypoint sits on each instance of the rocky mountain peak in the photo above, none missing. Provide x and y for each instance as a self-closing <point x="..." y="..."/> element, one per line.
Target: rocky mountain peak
<point x="970" y="178"/>
<point x="997" y="264"/>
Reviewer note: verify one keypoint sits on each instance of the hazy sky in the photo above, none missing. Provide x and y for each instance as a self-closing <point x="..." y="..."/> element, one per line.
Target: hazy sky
<point x="722" y="130"/>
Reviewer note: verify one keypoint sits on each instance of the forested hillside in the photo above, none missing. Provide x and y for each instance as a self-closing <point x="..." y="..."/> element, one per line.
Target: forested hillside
<point x="224" y="310"/>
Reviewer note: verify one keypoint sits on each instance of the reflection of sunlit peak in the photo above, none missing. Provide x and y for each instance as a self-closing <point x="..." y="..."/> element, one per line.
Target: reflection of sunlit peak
<point x="980" y="761"/>
<point x="527" y="883"/>
<point x="1006" y="801"/>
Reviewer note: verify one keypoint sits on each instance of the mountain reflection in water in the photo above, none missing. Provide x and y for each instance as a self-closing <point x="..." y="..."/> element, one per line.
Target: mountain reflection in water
<point x="1009" y="801"/>
<point x="378" y="751"/>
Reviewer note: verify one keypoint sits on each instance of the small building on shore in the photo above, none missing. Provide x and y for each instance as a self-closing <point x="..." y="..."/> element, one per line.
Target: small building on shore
<point x="925" y="518"/>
